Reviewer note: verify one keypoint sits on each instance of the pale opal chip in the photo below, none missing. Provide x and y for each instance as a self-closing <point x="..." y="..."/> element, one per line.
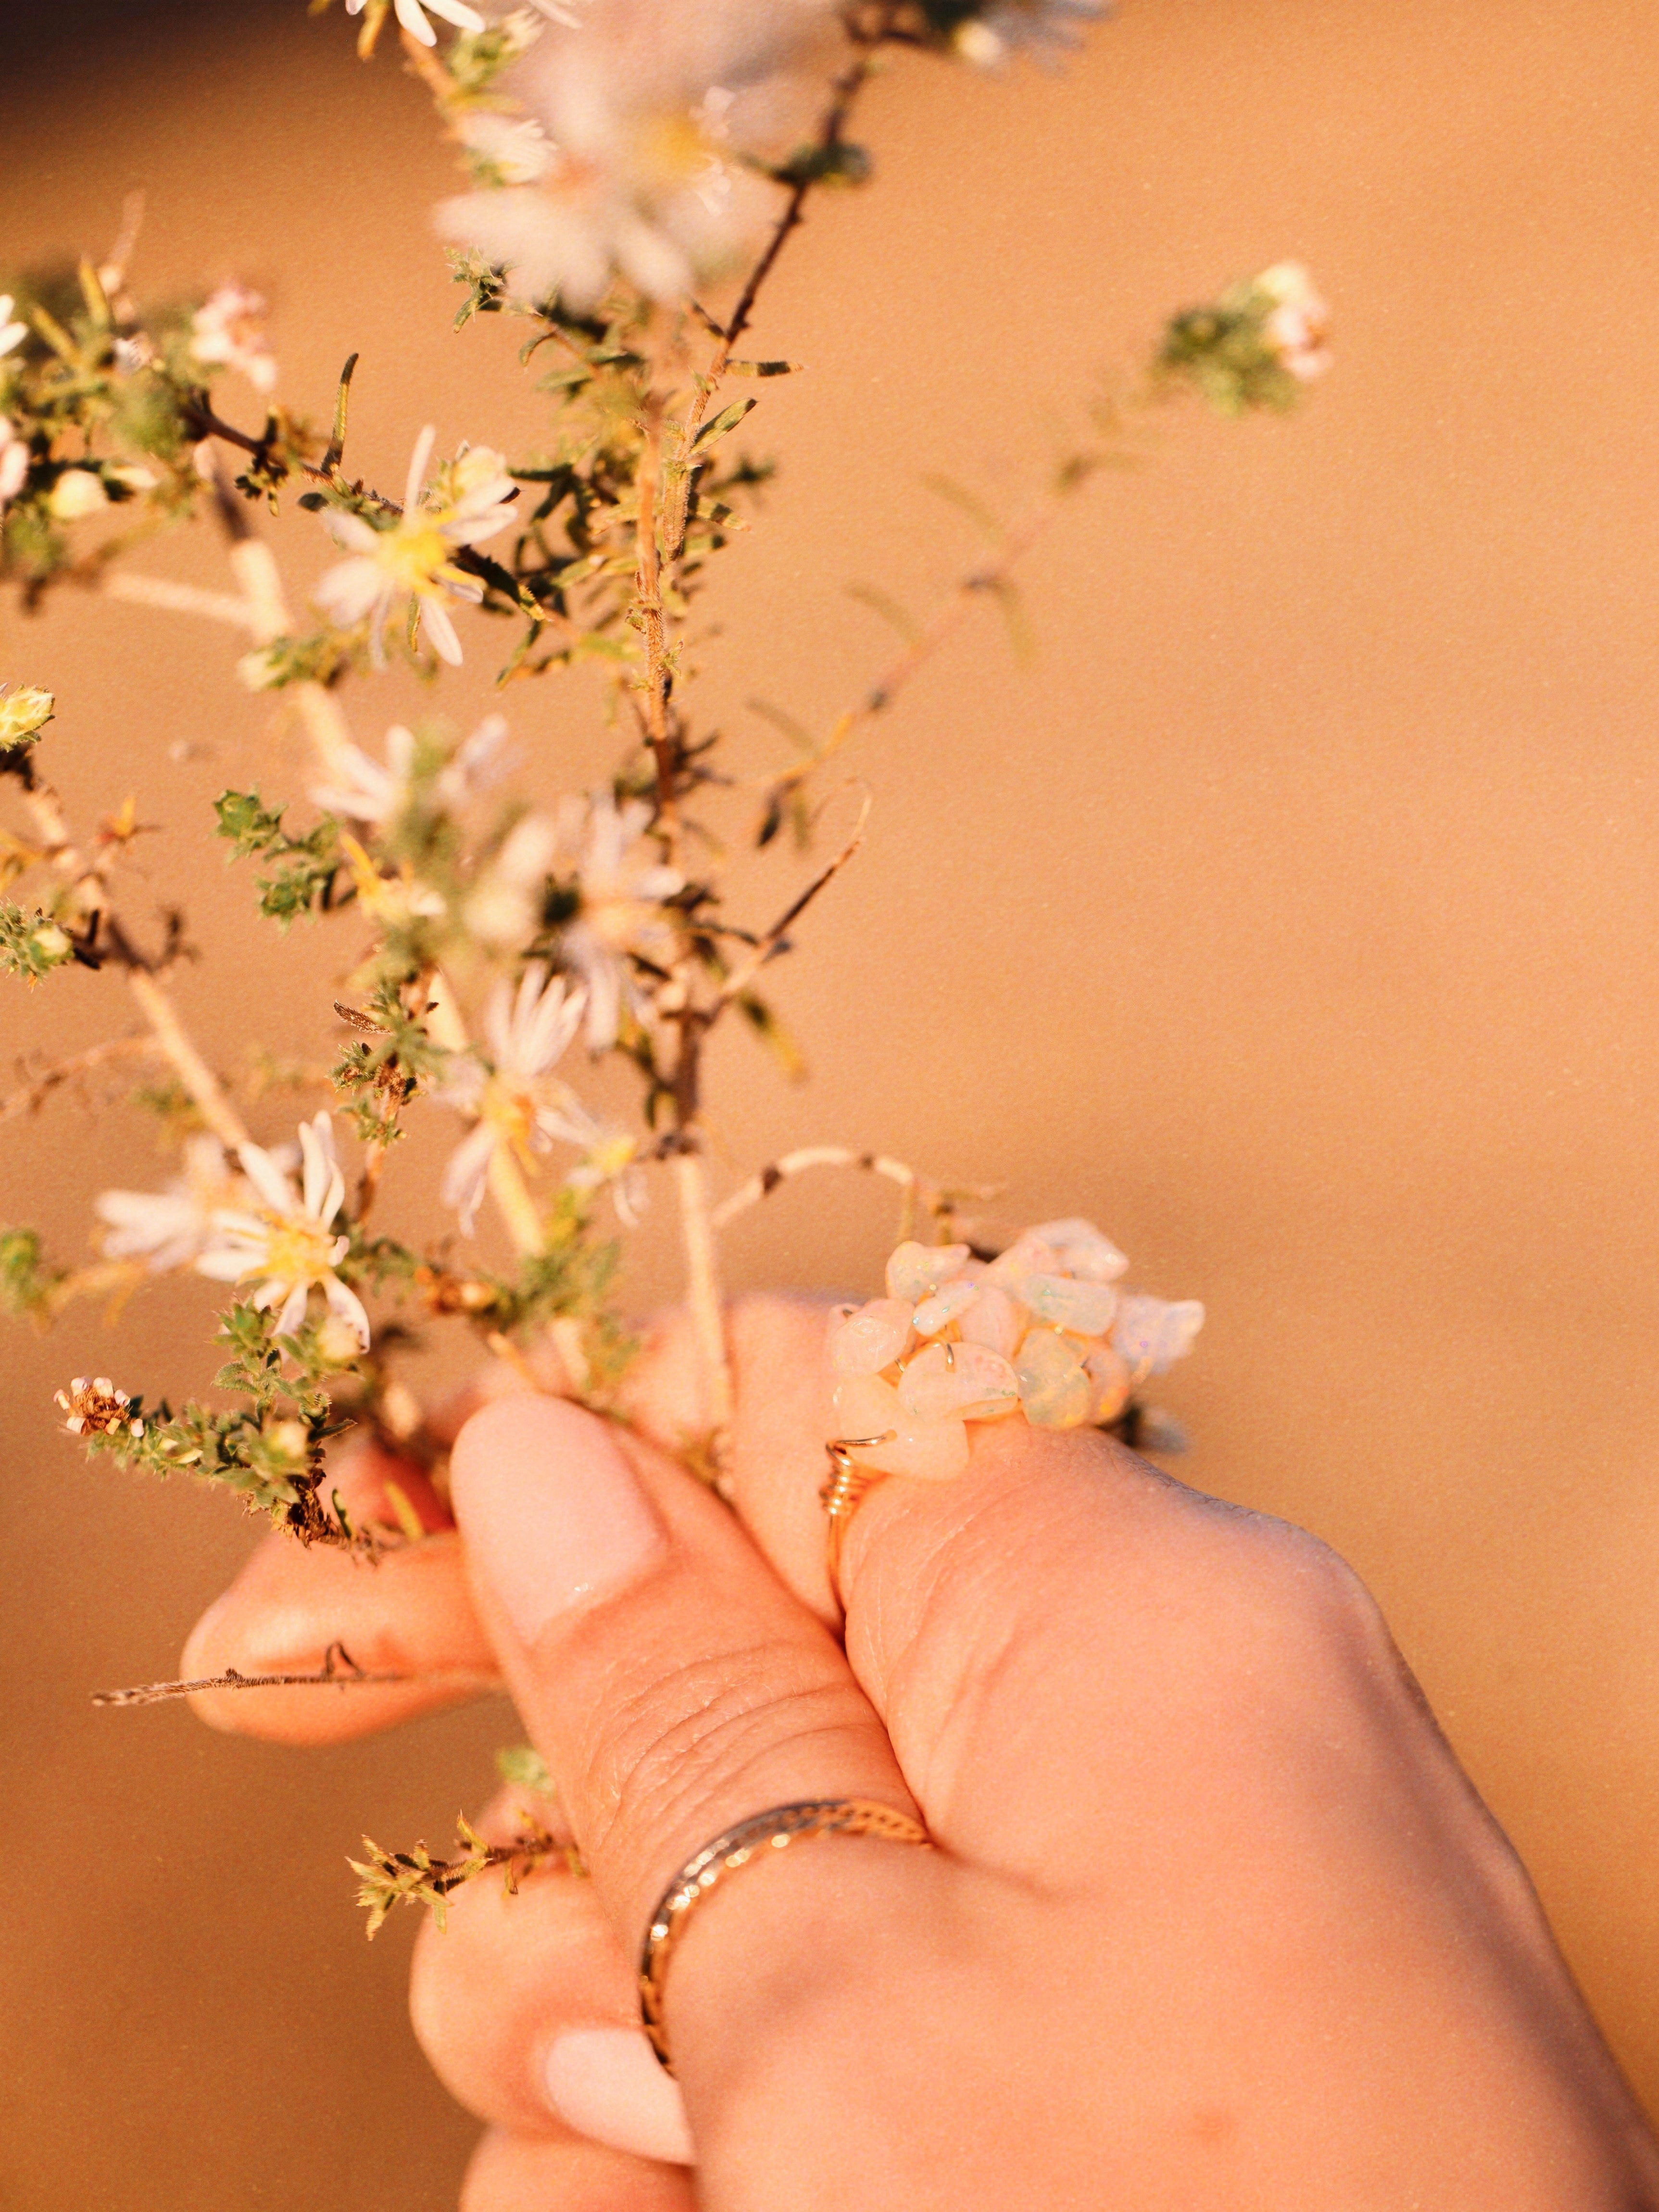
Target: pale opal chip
<point x="1110" y="1379"/>
<point x="1085" y="1308"/>
<point x="1029" y="1256"/>
<point x="960" y="1382"/>
<point x="870" y="1338"/>
<point x="1153" y="1333"/>
<point x="1054" y="1388"/>
<point x="915" y="1270"/>
<point x="947" y="1304"/>
<point x="1087" y="1253"/>
<point x="994" y="1321"/>
<point x="931" y="1451"/>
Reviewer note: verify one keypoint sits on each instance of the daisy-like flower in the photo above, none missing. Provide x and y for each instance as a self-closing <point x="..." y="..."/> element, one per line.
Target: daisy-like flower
<point x="370" y="791"/>
<point x="12" y="334"/>
<point x="97" y="1408"/>
<point x="171" y="1228"/>
<point x="610" y="1159"/>
<point x="283" y="1244"/>
<point x="1297" y="330"/>
<point x="1040" y="1331"/>
<point x="227" y="330"/>
<point x="515" y="1098"/>
<point x="412" y="14"/>
<point x="13" y="463"/>
<point x="505" y="904"/>
<point x="648" y="196"/>
<point x="505" y="149"/>
<point x="468" y="500"/>
<point x="621" y="886"/>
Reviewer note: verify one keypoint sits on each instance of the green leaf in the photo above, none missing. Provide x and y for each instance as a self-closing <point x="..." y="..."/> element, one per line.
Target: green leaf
<point x="891" y="611"/>
<point x="977" y="513"/>
<point x="725" y="421"/>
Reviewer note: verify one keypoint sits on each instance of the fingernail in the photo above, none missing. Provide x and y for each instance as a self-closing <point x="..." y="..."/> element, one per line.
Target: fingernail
<point x="550" y="1508"/>
<point x="607" y="2084"/>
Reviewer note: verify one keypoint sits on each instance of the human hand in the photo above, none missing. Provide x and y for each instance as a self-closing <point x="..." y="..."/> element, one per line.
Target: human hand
<point x="1215" y="1919"/>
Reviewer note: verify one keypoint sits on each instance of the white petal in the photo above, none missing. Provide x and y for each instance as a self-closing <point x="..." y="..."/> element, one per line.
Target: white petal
<point x="293" y="1314"/>
<point x="410" y="15"/>
<point x="422" y="453"/>
<point x="345" y="1301"/>
<point x="439" y="628"/>
<point x="267" y="1178"/>
<point x="464" y="1177"/>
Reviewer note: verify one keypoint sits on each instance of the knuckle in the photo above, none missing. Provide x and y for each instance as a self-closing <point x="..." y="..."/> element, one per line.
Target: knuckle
<point x="673" y="1746"/>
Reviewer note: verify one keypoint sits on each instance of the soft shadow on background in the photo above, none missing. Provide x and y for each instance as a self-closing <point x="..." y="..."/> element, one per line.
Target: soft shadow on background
<point x="1293" y="913"/>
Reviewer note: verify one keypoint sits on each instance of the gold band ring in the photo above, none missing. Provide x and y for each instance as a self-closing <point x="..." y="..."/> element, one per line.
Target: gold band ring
<point x="840" y="1497"/>
<point x="761" y="1837"/>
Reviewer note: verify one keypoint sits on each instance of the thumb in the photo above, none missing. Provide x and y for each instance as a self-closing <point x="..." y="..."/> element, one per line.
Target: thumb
<point x="675" y="1687"/>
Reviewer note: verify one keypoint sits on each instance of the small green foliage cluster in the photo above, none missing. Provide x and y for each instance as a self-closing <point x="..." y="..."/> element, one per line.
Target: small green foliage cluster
<point x="31" y="943"/>
<point x="27" y="1282"/>
<point x="307" y="869"/>
<point x="387" y="1878"/>
<point x="1228" y="351"/>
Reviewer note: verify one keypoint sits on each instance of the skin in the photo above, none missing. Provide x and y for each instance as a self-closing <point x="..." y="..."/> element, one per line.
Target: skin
<point x="1216" y="1924"/>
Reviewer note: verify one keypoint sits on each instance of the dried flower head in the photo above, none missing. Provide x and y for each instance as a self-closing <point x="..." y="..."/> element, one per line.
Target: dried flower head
<point x="97" y="1408"/>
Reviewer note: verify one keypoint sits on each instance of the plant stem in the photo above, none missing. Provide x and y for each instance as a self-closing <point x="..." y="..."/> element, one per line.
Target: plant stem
<point x="703" y="1290"/>
<point x="206" y="1093"/>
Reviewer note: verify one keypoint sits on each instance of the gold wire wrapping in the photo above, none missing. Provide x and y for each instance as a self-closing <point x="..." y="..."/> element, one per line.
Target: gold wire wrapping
<point x="760" y="1837"/>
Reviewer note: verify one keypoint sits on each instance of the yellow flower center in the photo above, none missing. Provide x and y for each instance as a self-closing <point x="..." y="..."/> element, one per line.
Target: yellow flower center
<point x="413" y="553"/>
<point x="296" y="1251"/>
<point x="510" y="1110"/>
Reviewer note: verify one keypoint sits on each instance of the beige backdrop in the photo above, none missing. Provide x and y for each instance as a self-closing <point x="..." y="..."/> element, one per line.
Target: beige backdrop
<point x="1294" y="915"/>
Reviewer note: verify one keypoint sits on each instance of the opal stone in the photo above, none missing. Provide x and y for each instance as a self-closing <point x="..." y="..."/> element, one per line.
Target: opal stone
<point x="870" y="1338"/>
<point x="948" y="1304"/>
<point x="915" y="1270"/>
<point x="960" y="1382"/>
<point x="1085" y="1308"/>
<point x="1054" y="1385"/>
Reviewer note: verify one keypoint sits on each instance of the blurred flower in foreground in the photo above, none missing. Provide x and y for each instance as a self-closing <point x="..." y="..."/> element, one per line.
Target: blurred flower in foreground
<point x="24" y="714"/>
<point x="370" y="792"/>
<point x="620" y="886"/>
<point x="989" y="36"/>
<point x="1041" y="1330"/>
<point x="468" y="500"/>
<point x="287" y="1247"/>
<point x="647" y="196"/>
<point x="13" y="463"/>
<point x="228" y="331"/>
<point x="172" y="1228"/>
<point x="517" y="1098"/>
<point x="1256" y="346"/>
<point x="610" y="1159"/>
<point x="12" y="334"/>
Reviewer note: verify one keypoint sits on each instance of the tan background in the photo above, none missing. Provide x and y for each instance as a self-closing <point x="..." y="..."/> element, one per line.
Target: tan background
<point x="1294" y="916"/>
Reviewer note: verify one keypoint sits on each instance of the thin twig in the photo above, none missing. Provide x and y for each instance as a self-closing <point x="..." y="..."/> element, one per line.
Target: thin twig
<point x="741" y="977"/>
<point x="702" y="1289"/>
<point x="206" y="1092"/>
<point x="32" y="1095"/>
<point x="339" y="1671"/>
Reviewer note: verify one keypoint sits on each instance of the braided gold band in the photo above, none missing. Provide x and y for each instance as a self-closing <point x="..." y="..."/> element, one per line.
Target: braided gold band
<point x="759" y="1838"/>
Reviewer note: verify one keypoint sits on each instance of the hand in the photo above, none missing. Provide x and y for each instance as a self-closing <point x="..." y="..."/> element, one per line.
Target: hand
<point x="1215" y="1920"/>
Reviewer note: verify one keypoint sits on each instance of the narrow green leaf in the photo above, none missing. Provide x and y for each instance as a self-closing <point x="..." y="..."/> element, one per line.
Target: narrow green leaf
<point x="891" y="611"/>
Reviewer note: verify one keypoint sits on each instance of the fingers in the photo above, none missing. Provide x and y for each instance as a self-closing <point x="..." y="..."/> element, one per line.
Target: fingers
<point x="510" y="2173"/>
<point x="528" y="2010"/>
<point x="675" y="1687"/>
<point x="409" y="1614"/>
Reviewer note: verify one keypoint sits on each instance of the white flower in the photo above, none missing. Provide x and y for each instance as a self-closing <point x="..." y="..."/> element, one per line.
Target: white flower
<point x="505" y="149"/>
<point x="621" y="884"/>
<point x="227" y="330"/>
<point x="13" y="463"/>
<point x="12" y="334"/>
<point x="468" y="500"/>
<point x="370" y="792"/>
<point x="646" y="195"/>
<point x="1039" y="1331"/>
<point x="286" y="1246"/>
<point x="516" y="1097"/>
<point x="412" y="14"/>
<point x="1299" y="327"/>
<point x="610" y="1159"/>
<point x="171" y="1228"/>
<point x="505" y="905"/>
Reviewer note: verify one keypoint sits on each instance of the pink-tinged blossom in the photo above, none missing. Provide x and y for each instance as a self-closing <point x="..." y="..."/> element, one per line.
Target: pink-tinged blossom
<point x="470" y="499"/>
<point x="282" y="1245"/>
<point x="510" y="1091"/>
<point x="227" y="330"/>
<point x="1297" y="330"/>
